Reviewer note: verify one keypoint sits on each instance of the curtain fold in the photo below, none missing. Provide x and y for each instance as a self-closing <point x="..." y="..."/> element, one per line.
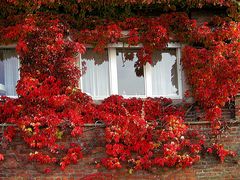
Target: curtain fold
<point x="164" y="74"/>
<point x="95" y="81"/>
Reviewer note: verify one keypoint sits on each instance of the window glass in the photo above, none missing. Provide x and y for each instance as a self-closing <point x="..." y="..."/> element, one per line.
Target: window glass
<point x="2" y="81"/>
<point x="129" y="83"/>
<point x="8" y="72"/>
<point x="95" y="81"/>
<point x="159" y="79"/>
<point x="164" y="73"/>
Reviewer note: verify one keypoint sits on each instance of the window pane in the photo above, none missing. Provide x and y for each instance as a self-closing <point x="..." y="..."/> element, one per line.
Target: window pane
<point x="128" y="82"/>
<point x="164" y="74"/>
<point x="8" y="72"/>
<point x="2" y="81"/>
<point x="95" y="81"/>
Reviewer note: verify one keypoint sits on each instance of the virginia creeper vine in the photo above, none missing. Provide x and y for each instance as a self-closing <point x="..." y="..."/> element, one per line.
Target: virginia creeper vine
<point x="140" y="132"/>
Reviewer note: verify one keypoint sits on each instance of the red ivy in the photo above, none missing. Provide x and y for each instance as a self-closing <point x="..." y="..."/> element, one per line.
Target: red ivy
<point x="140" y="133"/>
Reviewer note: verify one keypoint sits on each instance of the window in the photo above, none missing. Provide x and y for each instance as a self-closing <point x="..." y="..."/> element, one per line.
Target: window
<point x="165" y="73"/>
<point x="116" y="75"/>
<point x="9" y="74"/>
<point x="129" y="84"/>
<point x="96" y="79"/>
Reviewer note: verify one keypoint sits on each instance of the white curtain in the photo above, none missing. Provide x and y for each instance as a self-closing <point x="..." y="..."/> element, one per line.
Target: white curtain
<point x="164" y="74"/>
<point x="10" y="65"/>
<point x="2" y="80"/>
<point x="129" y="84"/>
<point x="95" y="81"/>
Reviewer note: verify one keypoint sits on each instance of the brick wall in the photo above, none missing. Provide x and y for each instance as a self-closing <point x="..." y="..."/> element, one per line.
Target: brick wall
<point x="16" y="165"/>
<point x="237" y="107"/>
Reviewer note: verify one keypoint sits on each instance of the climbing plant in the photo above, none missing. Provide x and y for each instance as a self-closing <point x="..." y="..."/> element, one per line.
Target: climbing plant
<point x="140" y="132"/>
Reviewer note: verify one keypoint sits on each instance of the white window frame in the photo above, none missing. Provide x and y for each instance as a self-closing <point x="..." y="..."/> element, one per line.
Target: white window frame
<point x="113" y="79"/>
<point x="11" y="47"/>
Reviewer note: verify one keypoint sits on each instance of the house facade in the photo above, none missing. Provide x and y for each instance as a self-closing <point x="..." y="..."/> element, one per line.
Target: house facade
<point x="110" y="73"/>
